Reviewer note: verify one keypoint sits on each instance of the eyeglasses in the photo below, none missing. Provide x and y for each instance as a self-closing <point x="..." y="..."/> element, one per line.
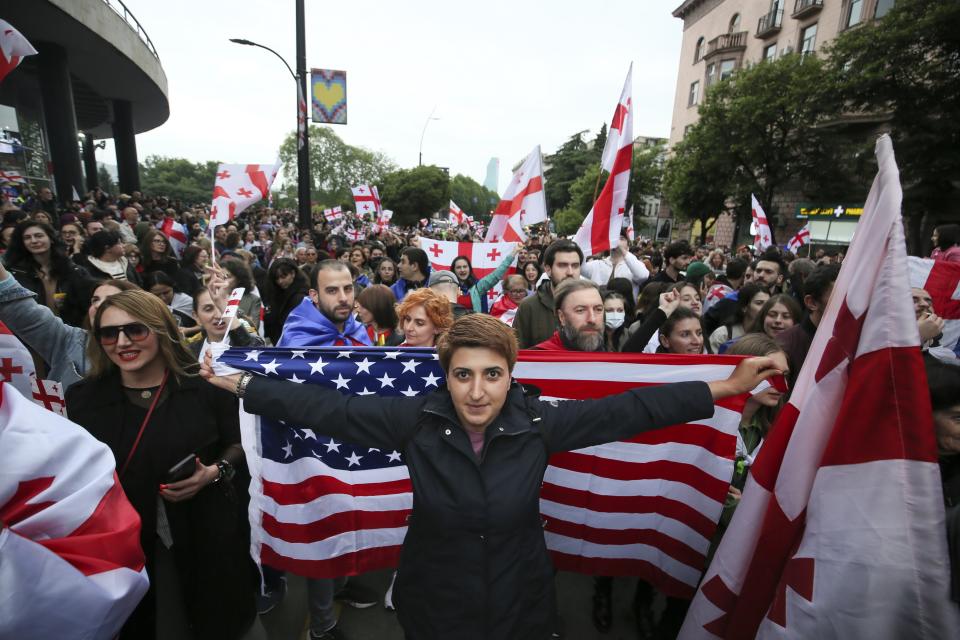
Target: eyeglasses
<point x="135" y="331"/>
<point x="517" y="291"/>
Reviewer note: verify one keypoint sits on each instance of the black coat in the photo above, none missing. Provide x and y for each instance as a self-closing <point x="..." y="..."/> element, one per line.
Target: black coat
<point x="209" y="531"/>
<point x="474" y="563"/>
<point x="75" y="288"/>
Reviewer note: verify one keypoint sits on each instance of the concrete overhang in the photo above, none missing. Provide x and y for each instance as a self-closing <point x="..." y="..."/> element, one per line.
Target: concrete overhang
<point x="109" y="55"/>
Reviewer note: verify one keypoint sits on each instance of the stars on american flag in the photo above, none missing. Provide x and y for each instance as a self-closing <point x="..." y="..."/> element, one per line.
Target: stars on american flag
<point x="359" y="371"/>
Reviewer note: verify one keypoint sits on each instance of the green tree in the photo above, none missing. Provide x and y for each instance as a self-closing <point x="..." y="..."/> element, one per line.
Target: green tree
<point x="335" y="166"/>
<point x="646" y="173"/>
<point x="696" y="182"/>
<point x="415" y="193"/>
<point x="906" y="66"/>
<point x="473" y="197"/>
<point x="565" y="166"/>
<point x="105" y="180"/>
<point x="178" y="178"/>
<point x="569" y="218"/>
<point x="761" y="128"/>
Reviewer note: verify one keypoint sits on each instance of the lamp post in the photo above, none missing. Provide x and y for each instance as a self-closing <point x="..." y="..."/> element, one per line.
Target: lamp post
<point x="303" y="152"/>
<point x="424" y="132"/>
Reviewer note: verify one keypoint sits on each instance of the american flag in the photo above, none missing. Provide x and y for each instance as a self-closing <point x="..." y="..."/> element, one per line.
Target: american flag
<point x="647" y="507"/>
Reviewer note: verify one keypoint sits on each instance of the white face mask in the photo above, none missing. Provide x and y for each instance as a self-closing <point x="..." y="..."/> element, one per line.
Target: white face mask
<point x="614" y="319"/>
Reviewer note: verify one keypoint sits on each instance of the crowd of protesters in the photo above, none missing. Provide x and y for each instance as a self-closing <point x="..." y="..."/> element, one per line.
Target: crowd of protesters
<point x="109" y="308"/>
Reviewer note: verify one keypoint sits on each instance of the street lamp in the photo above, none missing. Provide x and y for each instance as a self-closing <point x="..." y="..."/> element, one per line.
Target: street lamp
<point x="429" y="118"/>
<point x="303" y="151"/>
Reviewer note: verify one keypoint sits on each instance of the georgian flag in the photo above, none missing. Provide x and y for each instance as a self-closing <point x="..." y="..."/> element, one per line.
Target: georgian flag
<point x="762" y="237"/>
<point x="11" y="176"/>
<point x="13" y="48"/>
<point x="176" y="233"/>
<point x="237" y="187"/>
<point x="841" y="530"/>
<point x="16" y="363"/>
<point x="367" y="199"/>
<point x="332" y="215"/>
<point x="484" y="257"/>
<point x="801" y="238"/>
<point x="600" y="230"/>
<point x="301" y="117"/>
<point x="70" y="559"/>
<point x="523" y="202"/>
<point x="457" y="216"/>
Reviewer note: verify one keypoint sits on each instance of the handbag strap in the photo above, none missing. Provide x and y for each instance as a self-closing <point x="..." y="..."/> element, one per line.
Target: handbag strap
<point x="143" y="425"/>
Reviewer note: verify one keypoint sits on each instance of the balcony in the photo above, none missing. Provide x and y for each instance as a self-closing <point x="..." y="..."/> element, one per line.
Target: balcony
<point x="727" y="42"/>
<point x="770" y="24"/>
<point x="804" y="8"/>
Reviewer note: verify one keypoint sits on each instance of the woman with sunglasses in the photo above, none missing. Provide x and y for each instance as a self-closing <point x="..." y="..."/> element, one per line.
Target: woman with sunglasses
<point x="62" y="346"/>
<point x="176" y="440"/>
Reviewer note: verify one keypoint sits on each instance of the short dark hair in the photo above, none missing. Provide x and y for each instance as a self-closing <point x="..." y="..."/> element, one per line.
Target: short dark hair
<point x="680" y="313"/>
<point x="947" y="236"/>
<point x="736" y="268"/>
<point x="819" y="281"/>
<point x="676" y="249"/>
<point x="418" y="257"/>
<point x="153" y="278"/>
<point x="561" y="246"/>
<point x="477" y="330"/>
<point x="773" y="255"/>
<point x="99" y="242"/>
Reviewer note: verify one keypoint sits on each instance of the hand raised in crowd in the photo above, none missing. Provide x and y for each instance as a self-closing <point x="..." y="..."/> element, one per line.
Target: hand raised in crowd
<point x="186" y="489"/>
<point x="518" y="248"/>
<point x="218" y="284"/>
<point x="930" y="325"/>
<point x="669" y="301"/>
<point x="748" y="374"/>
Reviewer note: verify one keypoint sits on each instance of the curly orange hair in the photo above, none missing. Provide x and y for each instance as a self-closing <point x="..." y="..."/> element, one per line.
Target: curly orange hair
<point x="436" y="306"/>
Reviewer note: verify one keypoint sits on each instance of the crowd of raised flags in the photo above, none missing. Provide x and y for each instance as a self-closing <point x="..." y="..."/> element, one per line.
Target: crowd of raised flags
<point x="840" y="531"/>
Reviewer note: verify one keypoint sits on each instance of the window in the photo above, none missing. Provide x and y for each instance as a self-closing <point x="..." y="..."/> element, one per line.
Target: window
<point x="698" y="52"/>
<point x="694" y="97"/>
<point x="686" y="130"/>
<point x="726" y="68"/>
<point x="711" y="73"/>
<point x="856" y="13"/>
<point x="770" y="51"/>
<point x="808" y="40"/>
<point x="734" y="24"/>
<point x="883" y="6"/>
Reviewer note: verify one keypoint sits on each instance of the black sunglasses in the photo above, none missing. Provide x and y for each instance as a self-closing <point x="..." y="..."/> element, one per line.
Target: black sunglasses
<point x="135" y="331"/>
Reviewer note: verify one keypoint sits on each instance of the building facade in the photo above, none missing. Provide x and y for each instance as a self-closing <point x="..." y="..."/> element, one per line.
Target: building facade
<point x="721" y="36"/>
<point x="96" y="75"/>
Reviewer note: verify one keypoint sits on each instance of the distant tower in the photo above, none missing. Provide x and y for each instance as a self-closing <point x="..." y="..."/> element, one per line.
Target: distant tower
<point x="492" y="181"/>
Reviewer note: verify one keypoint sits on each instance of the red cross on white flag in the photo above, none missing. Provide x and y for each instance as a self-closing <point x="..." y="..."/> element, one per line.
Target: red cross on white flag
<point x="841" y="530"/>
<point x="49" y="395"/>
<point x="523" y="197"/>
<point x="237" y="187"/>
<point x="12" y="176"/>
<point x="16" y="363"/>
<point x="762" y="237"/>
<point x="801" y="238"/>
<point x="457" y="216"/>
<point x="13" y="48"/>
<point x="367" y="199"/>
<point x="601" y="228"/>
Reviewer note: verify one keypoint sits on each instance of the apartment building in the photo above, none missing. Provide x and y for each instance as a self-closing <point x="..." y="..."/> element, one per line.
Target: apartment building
<point x="720" y="36"/>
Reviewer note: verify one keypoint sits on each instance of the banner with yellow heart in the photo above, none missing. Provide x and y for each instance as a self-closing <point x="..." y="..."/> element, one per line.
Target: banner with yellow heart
<point x="328" y="89"/>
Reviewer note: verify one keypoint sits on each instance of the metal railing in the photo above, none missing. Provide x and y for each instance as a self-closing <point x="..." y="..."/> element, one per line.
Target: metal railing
<point x="133" y="23"/>
<point x="770" y="23"/>
<point x="804" y="6"/>
<point x="726" y="42"/>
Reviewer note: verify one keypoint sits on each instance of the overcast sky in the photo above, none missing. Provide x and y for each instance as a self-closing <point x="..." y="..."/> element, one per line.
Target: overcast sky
<point x="503" y="75"/>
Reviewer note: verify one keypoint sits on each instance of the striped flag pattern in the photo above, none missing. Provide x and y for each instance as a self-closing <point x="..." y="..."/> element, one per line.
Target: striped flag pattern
<point x="70" y="559"/>
<point x="647" y="507"/>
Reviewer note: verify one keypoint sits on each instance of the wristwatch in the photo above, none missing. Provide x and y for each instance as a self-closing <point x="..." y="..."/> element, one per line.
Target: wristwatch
<point x="225" y="471"/>
<point x="242" y="383"/>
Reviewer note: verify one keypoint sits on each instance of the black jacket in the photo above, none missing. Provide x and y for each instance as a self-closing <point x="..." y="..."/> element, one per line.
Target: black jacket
<point x="210" y="532"/>
<point x="75" y="289"/>
<point x="474" y="563"/>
